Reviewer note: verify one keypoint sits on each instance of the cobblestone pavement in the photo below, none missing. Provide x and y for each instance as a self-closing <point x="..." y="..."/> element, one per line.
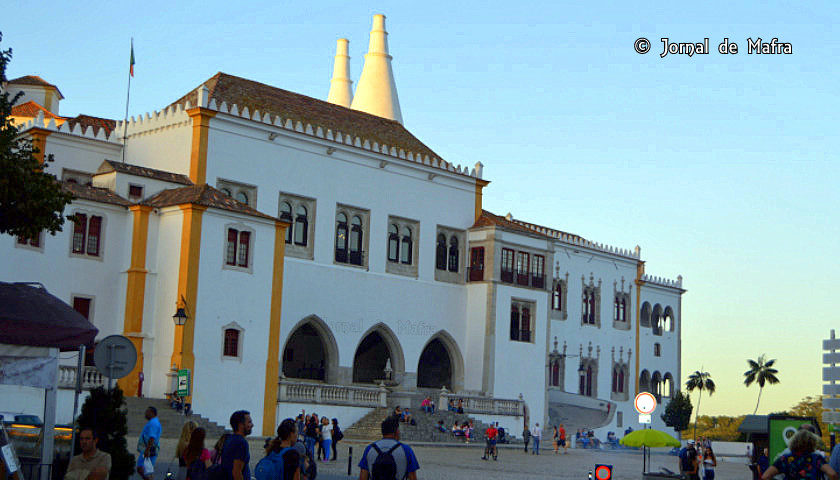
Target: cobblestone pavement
<point x="464" y="463"/>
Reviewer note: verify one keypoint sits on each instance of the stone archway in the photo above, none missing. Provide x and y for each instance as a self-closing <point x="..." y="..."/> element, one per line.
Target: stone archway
<point x="441" y="364"/>
<point x="378" y="345"/>
<point x="311" y="352"/>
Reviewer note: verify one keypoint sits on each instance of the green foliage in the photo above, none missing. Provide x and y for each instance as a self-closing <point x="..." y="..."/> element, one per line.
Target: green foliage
<point x="678" y="412"/>
<point x="812" y="407"/>
<point x="31" y="200"/>
<point x="103" y="411"/>
<point x="720" y="427"/>
<point x="699" y="381"/>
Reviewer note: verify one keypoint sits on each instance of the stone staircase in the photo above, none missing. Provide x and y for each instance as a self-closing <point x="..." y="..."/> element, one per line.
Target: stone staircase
<point x="170" y="419"/>
<point x="368" y="428"/>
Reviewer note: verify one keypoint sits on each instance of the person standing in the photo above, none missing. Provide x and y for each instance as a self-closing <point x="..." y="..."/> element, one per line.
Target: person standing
<point x="337" y="435"/>
<point x="491" y="434"/>
<point x="388" y="458"/>
<point x="236" y="454"/>
<point x="91" y="464"/>
<point x="148" y="443"/>
<point x="526" y="437"/>
<point x="326" y="437"/>
<point x="183" y="441"/>
<point x="561" y="430"/>
<point x="310" y="436"/>
<point x="555" y="440"/>
<point x="803" y="462"/>
<point x="709" y="464"/>
<point x="536" y="436"/>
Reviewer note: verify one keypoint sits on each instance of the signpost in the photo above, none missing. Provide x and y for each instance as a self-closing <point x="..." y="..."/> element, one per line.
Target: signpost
<point x="115" y="357"/>
<point x="183" y="382"/>
<point x="831" y="391"/>
<point x="645" y="404"/>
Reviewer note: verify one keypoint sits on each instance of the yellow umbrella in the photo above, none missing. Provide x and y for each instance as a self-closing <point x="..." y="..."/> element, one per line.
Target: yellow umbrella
<point x="649" y="438"/>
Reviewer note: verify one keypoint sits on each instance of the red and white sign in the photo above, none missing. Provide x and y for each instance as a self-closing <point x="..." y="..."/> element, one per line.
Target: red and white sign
<point x="645" y="403"/>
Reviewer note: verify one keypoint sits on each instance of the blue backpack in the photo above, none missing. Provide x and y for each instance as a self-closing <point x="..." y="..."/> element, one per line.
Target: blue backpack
<point x="270" y="467"/>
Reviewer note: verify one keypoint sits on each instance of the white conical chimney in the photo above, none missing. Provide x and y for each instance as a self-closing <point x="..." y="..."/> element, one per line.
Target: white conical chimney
<point x="341" y="92"/>
<point x="377" y="92"/>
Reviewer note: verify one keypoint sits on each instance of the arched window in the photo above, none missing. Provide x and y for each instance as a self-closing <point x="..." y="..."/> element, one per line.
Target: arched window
<point x="440" y="252"/>
<point x="341" y="234"/>
<point x="356" y="241"/>
<point x="555" y="373"/>
<point x="393" y="243"/>
<point x="644" y="381"/>
<point x="557" y="296"/>
<point x="617" y="309"/>
<point x="615" y="380"/>
<point x="656" y="320"/>
<point x="589" y="381"/>
<point x="286" y="215"/>
<point x="623" y="310"/>
<point x="668" y="323"/>
<point x="227" y="192"/>
<point x="242" y="197"/>
<point x="405" y="252"/>
<point x="621" y="381"/>
<point x="645" y="320"/>
<point x="301" y="226"/>
<point x="453" y="254"/>
<point x="592" y="308"/>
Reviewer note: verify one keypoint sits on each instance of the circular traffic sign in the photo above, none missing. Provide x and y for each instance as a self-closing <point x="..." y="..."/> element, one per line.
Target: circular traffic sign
<point x="645" y="402"/>
<point x="115" y="356"/>
<point x="603" y="472"/>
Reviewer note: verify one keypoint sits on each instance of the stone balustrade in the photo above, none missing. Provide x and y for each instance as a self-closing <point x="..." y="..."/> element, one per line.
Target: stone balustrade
<point x="320" y="393"/>
<point x="483" y="405"/>
<point x="91" y="378"/>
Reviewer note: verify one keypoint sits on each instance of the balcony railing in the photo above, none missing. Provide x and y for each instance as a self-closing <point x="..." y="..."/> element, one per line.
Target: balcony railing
<point x="475" y="274"/>
<point x="485" y="405"/>
<point x="507" y="276"/>
<point x="522" y="279"/>
<point x="537" y="281"/>
<point x="321" y="393"/>
<point x="91" y="378"/>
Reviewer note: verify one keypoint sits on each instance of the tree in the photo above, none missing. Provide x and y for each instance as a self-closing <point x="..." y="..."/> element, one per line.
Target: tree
<point x="678" y="412"/>
<point x="761" y="371"/>
<point x="31" y="200"/>
<point x="103" y="412"/>
<point x="812" y="407"/>
<point x="699" y="381"/>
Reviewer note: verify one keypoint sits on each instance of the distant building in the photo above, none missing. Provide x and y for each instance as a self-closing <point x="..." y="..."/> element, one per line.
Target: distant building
<point x="324" y="255"/>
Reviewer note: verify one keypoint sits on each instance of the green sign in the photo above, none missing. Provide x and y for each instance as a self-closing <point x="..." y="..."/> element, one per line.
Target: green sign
<point x="781" y="429"/>
<point x="183" y="382"/>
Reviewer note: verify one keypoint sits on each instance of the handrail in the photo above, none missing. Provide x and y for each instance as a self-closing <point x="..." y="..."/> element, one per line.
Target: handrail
<point x="322" y="393"/>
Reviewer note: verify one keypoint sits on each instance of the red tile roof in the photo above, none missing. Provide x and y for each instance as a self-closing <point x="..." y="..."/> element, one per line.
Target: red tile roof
<point x="489" y="219"/>
<point x="31" y="109"/>
<point x="136" y="170"/>
<point x="33" y="80"/>
<point x="95" y="194"/>
<point x="96" y="122"/>
<point x="290" y="105"/>
<point x="204" y="195"/>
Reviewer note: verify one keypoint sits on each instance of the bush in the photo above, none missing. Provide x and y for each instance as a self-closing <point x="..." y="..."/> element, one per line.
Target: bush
<point x="103" y="412"/>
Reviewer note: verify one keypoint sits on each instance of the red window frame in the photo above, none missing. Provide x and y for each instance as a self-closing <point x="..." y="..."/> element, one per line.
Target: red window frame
<point x="94" y="235"/>
<point x="82" y="306"/>
<point x="476" y="264"/>
<point x="522" y="266"/>
<point x="231" y="342"/>
<point x="135" y="192"/>
<point x="79" y="233"/>
<point x="230" y="248"/>
<point x="507" y="265"/>
<point x="244" y="249"/>
<point x="555" y="374"/>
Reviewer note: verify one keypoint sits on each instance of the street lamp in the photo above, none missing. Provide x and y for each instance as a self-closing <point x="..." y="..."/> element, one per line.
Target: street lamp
<point x="180" y="317"/>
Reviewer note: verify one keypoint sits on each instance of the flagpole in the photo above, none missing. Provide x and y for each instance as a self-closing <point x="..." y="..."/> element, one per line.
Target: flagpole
<point x="127" y="97"/>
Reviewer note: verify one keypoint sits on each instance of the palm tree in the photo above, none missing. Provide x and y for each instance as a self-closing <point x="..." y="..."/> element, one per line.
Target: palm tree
<point x="700" y="381"/>
<point x="761" y="371"/>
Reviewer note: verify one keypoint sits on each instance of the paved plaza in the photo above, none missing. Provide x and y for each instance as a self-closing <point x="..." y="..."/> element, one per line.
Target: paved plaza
<point x="460" y="462"/>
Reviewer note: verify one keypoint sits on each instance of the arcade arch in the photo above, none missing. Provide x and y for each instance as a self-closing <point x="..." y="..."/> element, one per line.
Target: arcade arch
<point x="311" y="352"/>
<point x="379" y="344"/>
<point x="441" y="364"/>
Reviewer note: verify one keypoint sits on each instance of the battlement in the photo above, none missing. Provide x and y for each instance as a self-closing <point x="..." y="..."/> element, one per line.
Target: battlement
<point x="663" y="282"/>
<point x="578" y="241"/>
<point x="76" y="129"/>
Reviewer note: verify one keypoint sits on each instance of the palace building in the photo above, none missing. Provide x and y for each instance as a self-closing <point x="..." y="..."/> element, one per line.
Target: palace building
<point x="319" y="254"/>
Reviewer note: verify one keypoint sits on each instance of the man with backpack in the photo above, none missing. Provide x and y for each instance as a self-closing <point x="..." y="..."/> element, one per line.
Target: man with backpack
<point x="388" y="459"/>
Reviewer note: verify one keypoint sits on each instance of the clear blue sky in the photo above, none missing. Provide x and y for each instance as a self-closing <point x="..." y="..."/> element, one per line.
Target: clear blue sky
<point x="724" y="168"/>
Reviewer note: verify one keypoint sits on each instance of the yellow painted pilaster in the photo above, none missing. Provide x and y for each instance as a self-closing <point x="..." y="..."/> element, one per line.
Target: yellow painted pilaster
<point x="135" y="294"/>
<point x="479" y="186"/>
<point x="200" y="135"/>
<point x="39" y="141"/>
<point x="182" y="354"/>
<point x="640" y="271"/>
<point x="272" y="362"/>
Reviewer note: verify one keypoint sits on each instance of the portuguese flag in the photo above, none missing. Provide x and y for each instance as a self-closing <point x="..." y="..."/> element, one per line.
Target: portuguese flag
<point x="131" y="60"/>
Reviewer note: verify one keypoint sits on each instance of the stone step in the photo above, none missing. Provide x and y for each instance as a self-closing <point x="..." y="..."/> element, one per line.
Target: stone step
<point x="170" y="419"/>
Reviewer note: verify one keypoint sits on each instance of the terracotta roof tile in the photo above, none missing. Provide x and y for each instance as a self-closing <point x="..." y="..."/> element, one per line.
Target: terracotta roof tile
<point x="96" y="122"/>
<point x="489" y="219"/>
<point x="138" y="171"/>
<point x="95" y="194"/>
<point x="290" y="105"/>
<point x="204" y="195"/>
<point x="31" y="109"/>
<point x="33" y="80"/>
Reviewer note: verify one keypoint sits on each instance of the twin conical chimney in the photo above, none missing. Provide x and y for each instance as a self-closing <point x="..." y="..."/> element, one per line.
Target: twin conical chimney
<point x="341" y="92"/>
<point x="377" y="92"/>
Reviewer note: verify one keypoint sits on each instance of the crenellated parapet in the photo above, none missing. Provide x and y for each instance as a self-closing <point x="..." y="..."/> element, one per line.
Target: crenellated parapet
<point x="76" y="129"/>
<point x="577" y="241"/>
<point x="173" y="116"/>
<point x="662" y="281"/>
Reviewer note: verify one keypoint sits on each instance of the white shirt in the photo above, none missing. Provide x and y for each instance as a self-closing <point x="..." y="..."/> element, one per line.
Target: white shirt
<point x="536" y="432"/>
<point x="326" y="431"/>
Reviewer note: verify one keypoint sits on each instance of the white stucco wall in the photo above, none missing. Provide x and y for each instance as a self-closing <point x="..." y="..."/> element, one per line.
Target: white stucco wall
<point x="346" y="416"/>
<point x="78" y="153"/>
